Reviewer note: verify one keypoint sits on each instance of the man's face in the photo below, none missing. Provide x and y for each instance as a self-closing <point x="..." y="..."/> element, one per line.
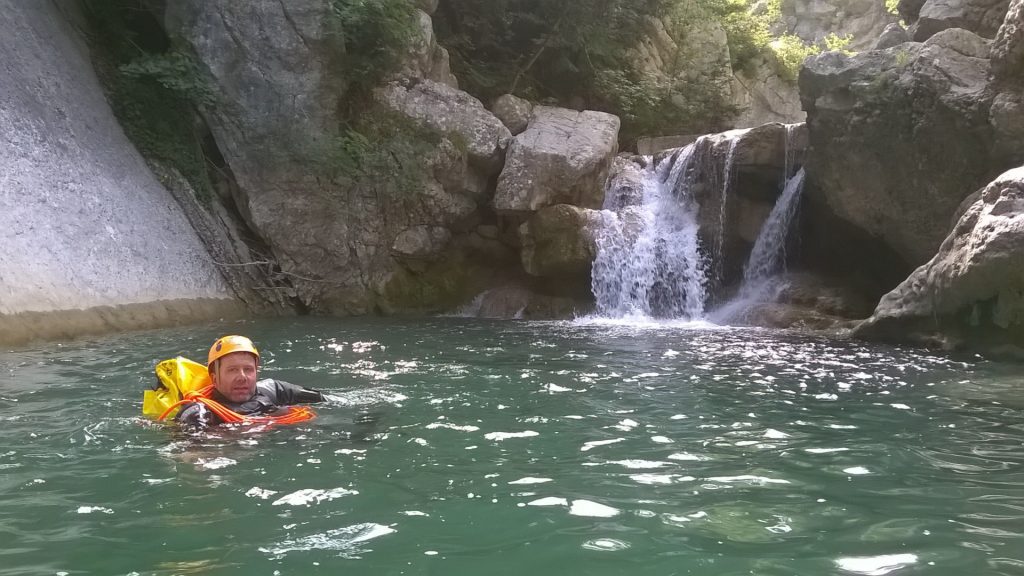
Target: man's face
<point x="235" y="376"/>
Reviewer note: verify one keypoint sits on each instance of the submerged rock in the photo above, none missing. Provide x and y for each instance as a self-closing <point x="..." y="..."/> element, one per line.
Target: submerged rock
<point x="973" y="288"/>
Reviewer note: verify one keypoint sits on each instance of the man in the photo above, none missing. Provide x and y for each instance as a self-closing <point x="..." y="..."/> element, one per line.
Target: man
<point x="233" y="363"/>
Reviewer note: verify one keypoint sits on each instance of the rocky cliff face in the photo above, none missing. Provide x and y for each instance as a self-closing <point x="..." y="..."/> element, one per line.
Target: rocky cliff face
<point x="91" y="241"/>
<point x="860" y="20"/>
<point x="900" y="136"/>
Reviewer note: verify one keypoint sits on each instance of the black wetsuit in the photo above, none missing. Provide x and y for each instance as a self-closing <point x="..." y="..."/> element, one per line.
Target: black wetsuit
<point x="270" y="396"/>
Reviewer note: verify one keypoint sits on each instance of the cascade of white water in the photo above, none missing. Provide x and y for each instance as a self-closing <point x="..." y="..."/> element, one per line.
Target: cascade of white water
<point x="727" y="174"/>
<point x="648" y="262"/>
<point x="768" y="256"/>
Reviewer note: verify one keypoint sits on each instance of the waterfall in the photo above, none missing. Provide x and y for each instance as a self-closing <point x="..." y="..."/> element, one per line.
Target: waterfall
<point x="727" y="173"/>
<point x="768" y="257"/>
<point x="648" y="260"/>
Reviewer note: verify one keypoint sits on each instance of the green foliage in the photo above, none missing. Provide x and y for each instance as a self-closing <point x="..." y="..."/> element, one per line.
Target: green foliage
<point x="891" y="6"/>
<point x="152" y="87"/>
<point x="381" y="149"/>
<point x="790" y="52"/>
<point x="175" y="71"/>
<point x="376" y="35"/>
<point x="835" y="42"/>
<point x="580" y="54"/>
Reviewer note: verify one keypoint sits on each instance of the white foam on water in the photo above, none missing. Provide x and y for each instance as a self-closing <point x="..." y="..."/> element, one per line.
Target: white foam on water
<point x="549" y="501"/>
<point x="413" y="513"/>
<point x="651" y="479"/>
<point x="344" y="540"/>
<point x="775" y="434"/>
<point x="641" y="464"/>
<point x="573" y="417"/>
<point x="308" y="496"/>
<point x="679" y="417"/>
<point x="748" y="479"/>
<point x="467" y="428"/>
<point x="92" y="509"/>
<point x="531" y="480"/>
<point x="670" y="353"/>
<point x="857" y="470"/>
<point x="876" y="565"/>
<point x="626" y="425"/>
<point x="825" y="450"/>
<point x="215" y="463"/>
<point x="595" y="443"/>
<point x="261" y="493"/>
<point x="686" y="457"/>
<point x="662" y="439"/>
<point x="900" y="406"/>
<point x="499" y="436"/>
<point x="842" y="426"/>
<point x="556" y="388"/>
<point x="592" y="509"/>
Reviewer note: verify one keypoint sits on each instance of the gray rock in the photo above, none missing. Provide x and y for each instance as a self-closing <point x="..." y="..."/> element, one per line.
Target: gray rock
<point x="426" y="58"/>
<point x="983" y="17"/>
<point x="560" y="241"/>
<point x="909" y="10"/>
<point x="520" y="302"/>
<point x="514" y="112"/>
<point x="562" y="158"/>
<point x="972" y="287"/>
<point x="762" y="96"/>
<point x="449" y="110"/>
<point x="813" y="20"/>
<point x="625" y="183"/>
<point x="893" y="35"/>
<point x="86" y="223"/>
<point x="1008" y="49"/>
<point x="421" y="243"/>
<point x="898" y="135"/>
<point x="428" y="6"/>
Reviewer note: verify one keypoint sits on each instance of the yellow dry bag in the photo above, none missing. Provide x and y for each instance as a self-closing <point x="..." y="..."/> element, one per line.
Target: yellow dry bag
<point x="176" y="377"/>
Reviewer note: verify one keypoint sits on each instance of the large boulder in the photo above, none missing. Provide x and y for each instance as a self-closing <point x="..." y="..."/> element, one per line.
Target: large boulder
<point x="449" y="110"/>
<point x="983" y="17"/>
<point x="898" y="135"/>
<point x="973" y="288"/>
<point x="91" y="241"/>
<point x="560" y="241"/>
<point x="514" y="112"/>
<point x="1007" y="112"/>
<point x="812" y="20"/>
<point x="562" y="158"/>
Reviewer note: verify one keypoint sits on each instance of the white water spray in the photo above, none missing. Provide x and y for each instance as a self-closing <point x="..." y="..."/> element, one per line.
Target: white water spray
<point x="648" y="263"/>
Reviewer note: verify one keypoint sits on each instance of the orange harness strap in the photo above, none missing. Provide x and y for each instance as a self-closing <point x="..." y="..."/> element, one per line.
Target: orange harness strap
<point x="294" y="415"/>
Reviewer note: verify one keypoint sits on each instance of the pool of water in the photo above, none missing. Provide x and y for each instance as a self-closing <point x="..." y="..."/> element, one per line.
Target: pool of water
<point x="457" y="447"/>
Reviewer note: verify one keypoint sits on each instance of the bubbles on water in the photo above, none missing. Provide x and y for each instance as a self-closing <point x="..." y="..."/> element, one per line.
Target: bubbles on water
<point x="605" y="545"/>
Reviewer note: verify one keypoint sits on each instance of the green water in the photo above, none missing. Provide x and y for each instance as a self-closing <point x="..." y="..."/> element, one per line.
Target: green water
<point x="458" y="447"/>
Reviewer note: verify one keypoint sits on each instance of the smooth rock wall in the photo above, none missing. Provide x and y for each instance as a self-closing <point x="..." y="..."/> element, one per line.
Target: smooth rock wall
<point x="85" y="222"/>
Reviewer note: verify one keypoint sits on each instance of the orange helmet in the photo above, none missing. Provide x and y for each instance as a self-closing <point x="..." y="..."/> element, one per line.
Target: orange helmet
<point x="228" y="344"/>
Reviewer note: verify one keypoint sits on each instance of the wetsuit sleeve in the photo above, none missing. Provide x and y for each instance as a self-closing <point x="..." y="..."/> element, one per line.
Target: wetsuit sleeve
<point x="288" y="394"/>
<point x="195" y="415"/>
